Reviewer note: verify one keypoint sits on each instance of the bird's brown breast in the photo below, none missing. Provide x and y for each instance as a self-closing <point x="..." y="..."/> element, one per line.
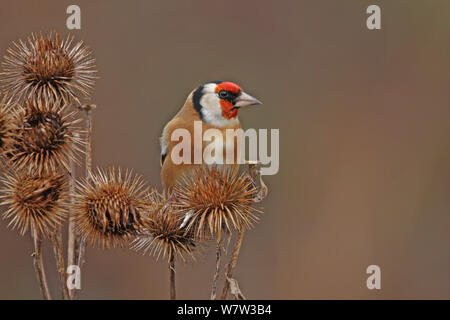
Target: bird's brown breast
<point x="185" y="119"/>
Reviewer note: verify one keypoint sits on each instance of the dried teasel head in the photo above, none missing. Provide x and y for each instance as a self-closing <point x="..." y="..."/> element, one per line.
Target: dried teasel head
<point x="216" y="200"/>
<point x="6" y="125"/>
<point x="163" y="234"/>
<point x="34" y="201"/>
<point x="46" y="65"/>
<point x="110" y="207"/>
<point x="44" y="137"/>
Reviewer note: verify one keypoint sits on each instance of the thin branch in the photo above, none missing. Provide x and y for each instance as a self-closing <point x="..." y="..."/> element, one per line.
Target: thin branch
<point x="234" y="288"/>
<point x="172" y="277"/>
<point x="232" y="264"/>
<point x="89" y="123"/>
<point x="77" y="244"/>
<point x="58" y="250"/>
<point x="255" y="173"/>
<point x="88" y="167"/>
<point x="73" y="242"/>
<point x="39" y="265"/>
<point x="81" y="251"/>
<point x="216" y="273"/>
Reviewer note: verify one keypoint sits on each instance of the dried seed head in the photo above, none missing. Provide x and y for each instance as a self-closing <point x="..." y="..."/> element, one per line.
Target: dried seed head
<point x="45" y="65"/>
<point x="163" y="234"/>
<point x="110" y="207"/>
<point x="44" y="137"/>
<point x="6" y="125"/>
<point x="215" y="200"/>
<point x="34" y="201"/>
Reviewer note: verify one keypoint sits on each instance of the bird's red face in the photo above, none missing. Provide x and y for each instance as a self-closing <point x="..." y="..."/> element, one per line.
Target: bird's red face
<point x="218" y="102"/>
<point x="227" y="92"/>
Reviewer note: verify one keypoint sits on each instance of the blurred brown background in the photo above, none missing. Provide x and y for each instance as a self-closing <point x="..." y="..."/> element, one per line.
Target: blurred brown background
<point x="364" y="129"/>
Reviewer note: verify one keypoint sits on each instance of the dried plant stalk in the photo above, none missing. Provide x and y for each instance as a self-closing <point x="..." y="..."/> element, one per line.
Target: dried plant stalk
<point x="88" y="108"/>
<point x="80" y="243"/>
<point x="42" y="77"/>
<point x="72" y="254"/>
<point x="73" y="240"/>
<point x="235" y="290"/>
<point x="217" y="201"/>
<point x="232" y="264"/>
<point x="255" y="174"/>
<point x="164" y="234"/>
<point x="39" y="265"/>
<point x="60" y="265"/>
<point x="173" y="292"/>
<point x="216" y="273"/>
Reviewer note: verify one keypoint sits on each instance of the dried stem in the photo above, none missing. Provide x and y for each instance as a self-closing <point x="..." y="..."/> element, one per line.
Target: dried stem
<point x="88" y="167"/>
<point x="172" y="276"/>
<point x="234" y="289"/>
<point x="39" y="266"/>
<point x="81" y="252"/>
<point x="216" y="273"/>
<point x="77" y="244"/>
<point x="255" y="174"/>
<point x="58" y="250"/>
<point x="232" y="264"/>
<point x="88" y="109"/>
<point x="73" y="245"/>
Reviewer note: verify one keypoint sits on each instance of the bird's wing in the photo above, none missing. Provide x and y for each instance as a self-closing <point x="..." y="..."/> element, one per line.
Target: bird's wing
<point x="163" y="157"/>
<point x="164" y="145"/>
<point x="165" y="137"/>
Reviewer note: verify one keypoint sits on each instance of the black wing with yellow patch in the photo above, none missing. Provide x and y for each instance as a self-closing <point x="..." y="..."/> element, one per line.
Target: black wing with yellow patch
<point x="163" y="157"/>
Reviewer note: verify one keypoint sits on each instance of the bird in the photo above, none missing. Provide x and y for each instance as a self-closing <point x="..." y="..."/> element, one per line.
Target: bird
<point x="214" y="105"/>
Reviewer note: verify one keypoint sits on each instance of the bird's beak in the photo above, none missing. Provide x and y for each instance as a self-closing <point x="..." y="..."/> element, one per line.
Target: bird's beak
<point x="245" y="100"/>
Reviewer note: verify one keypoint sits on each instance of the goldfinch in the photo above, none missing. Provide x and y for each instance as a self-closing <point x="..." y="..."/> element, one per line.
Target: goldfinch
<point x="213" y="105"/>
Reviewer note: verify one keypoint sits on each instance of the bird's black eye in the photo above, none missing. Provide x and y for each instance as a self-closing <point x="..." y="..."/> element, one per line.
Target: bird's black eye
<point x="223" y="94"/>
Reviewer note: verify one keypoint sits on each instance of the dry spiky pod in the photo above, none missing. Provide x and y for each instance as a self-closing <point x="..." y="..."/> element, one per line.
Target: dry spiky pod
<point x="110" y="207"/>
<point x="44" y="137"/>
<point x="34" y="201"/>
<point x="216" y="199"/>
<point x="46" y="65"/>
<point x="163" y="234"/>
<point x="6" y="125"/>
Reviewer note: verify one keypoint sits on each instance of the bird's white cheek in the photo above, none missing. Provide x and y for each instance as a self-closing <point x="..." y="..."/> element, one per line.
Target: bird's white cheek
<point x="212" y="112"/>
<point x="211" y="106"/>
